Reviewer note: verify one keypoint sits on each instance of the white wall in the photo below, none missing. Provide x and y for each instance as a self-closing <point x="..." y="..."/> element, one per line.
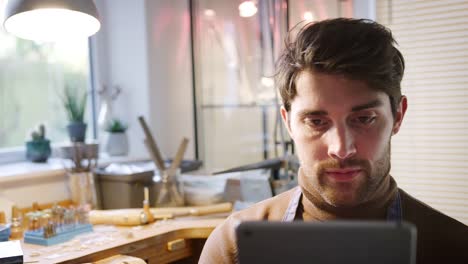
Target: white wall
<point x="170" y="74"/>
<point x="364" y="9"/>
<point x="45" y="189"/>
<point x="121" y="59"/>
<point x="144" y="47"/>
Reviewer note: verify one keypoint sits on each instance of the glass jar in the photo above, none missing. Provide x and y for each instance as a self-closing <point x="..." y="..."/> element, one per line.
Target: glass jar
<point x="82" y="188"/>
<point x="170" y="191"/>
<point x="16" y="228"/>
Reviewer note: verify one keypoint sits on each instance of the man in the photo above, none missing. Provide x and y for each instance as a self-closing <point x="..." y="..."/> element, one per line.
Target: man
<point x="340" y="86"/>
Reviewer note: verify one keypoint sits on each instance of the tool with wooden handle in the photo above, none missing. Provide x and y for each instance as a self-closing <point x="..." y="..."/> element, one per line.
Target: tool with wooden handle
<point x="151" y="144"/>
<point x="132" y="217"/>
<point x="146" y="207"/>
<point x="169" y="194"/>
<point x="178" y="157"/>
<point x="160" y="167"/>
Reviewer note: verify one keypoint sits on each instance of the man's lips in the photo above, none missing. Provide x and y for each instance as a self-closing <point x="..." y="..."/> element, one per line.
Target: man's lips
<point x="342" y="175"/>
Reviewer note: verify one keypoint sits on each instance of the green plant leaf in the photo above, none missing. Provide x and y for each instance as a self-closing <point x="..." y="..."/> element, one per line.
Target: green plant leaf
<point x="75" y="104"/>
<point x="116" y="126"/>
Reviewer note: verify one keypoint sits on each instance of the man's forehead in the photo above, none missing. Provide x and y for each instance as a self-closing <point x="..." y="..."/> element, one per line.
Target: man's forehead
<point x="325" y="110"/>
<point x="329" y="92"/>
<point x="322" y="84"/>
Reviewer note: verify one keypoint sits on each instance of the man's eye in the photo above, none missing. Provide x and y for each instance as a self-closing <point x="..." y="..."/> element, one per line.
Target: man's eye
<point x="316" y="122"/>
<point x="365" y="120"/>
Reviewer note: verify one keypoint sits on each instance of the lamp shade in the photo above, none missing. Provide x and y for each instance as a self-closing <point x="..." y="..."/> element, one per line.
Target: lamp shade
<point x="51" y="20"/>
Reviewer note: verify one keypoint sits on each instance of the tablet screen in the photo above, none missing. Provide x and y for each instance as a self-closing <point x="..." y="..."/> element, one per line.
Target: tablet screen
<point x="326" y="242"/>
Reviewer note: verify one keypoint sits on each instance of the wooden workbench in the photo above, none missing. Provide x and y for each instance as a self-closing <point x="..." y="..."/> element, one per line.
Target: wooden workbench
<point x="160" y="242"/>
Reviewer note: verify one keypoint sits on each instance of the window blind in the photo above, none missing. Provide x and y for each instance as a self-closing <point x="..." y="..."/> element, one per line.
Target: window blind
<point x="430" y="153"/>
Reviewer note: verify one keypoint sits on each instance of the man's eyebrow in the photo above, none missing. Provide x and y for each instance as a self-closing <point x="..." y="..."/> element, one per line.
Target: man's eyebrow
<point x="371" y="104"/>
<point x="312" y="112"/>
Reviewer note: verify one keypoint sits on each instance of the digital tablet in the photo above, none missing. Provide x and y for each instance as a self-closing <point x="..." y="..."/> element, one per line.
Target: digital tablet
<point x="327" y="242"/>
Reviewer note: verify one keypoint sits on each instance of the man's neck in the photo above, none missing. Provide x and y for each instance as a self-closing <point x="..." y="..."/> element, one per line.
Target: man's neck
<point x="314" y="207"/>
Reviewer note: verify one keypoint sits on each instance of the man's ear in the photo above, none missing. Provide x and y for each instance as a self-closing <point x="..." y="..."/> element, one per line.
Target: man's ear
<point x="286" y="120"/>
<point x="400" y="113"/>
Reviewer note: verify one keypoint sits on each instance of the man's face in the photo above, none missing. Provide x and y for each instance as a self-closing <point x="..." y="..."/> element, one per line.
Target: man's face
<point x="342" y="130"/>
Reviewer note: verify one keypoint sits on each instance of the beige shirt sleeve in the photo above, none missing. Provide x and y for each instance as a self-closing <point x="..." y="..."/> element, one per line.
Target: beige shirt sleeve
<point x="221" y="247"/>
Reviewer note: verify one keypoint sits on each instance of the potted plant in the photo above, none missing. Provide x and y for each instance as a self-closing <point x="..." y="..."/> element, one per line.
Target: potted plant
<point x="38" y="148"/>
<point x="117" y="142"/>
<point x="75" y="106"/>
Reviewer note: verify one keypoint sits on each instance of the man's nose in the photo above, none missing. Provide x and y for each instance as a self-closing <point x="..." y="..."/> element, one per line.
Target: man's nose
<point x="341" y="143"/>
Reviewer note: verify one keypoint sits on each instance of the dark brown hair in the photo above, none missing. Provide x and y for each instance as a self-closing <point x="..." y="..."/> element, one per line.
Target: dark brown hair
<point x="358" y="49"/>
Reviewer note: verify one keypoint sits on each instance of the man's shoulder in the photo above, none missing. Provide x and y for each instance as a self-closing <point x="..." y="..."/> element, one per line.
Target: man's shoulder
<point x="417" y="211"/>
<point x="441" y="239"/>
<point x="270" y="209"/>
<point x="221" y="246"/>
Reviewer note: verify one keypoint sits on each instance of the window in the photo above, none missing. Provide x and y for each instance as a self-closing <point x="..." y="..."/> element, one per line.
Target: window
<point x="429" y="155"/>
<point x="32" y="78"/>
<point x="234" y="85"/>
<point x="235" y="52"/>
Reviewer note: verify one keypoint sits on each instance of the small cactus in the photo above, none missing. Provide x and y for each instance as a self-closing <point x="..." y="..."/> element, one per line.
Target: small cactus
<point x="38" y="134"/>
<point x="38" y="148"/>
<point x="42" y="130"/>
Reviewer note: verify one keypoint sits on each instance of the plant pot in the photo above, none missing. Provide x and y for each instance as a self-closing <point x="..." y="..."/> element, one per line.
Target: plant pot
<point x="77" y="131"/>
<point x="117" y="144"/>
<point x="38" y="150"/>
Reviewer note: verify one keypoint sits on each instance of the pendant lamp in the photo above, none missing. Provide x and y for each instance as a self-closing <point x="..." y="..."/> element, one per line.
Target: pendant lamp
<point x="51" y="20"/>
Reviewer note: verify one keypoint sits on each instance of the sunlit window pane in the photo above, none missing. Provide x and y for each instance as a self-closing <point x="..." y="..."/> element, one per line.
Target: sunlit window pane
<point x="32" y="78"/>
